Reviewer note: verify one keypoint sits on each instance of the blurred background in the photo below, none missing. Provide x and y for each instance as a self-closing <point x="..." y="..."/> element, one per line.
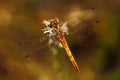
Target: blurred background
<point x="95" y="48"/>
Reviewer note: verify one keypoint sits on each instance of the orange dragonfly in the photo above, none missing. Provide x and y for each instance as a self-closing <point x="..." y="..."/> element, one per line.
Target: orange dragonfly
<point x="57" y="29"/>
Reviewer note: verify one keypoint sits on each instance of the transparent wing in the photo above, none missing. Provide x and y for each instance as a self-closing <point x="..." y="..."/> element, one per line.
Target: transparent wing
<point x="34" y="46"/>
<point x="80" y="19"/>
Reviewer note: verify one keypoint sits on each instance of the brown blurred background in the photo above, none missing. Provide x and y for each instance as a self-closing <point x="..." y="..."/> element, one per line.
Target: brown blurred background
<point x="95" y="49"/>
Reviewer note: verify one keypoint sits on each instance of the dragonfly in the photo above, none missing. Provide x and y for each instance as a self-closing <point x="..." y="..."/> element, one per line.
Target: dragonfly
<point x="57" y="29"/>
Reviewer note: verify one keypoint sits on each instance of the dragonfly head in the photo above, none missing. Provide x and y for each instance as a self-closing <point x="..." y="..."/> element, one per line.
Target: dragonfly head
<point x="54" y="23"/>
